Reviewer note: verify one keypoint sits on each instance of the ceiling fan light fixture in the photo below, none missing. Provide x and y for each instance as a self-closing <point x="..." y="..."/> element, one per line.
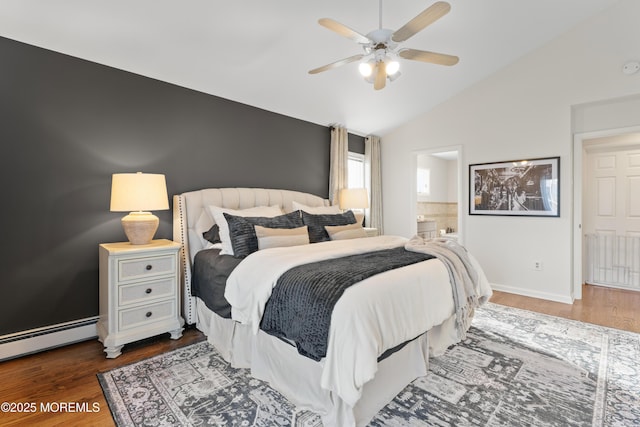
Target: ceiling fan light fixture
<point x="365" y="68"/>
<point x="394" y="76"/>
<point x="392" y="67"/>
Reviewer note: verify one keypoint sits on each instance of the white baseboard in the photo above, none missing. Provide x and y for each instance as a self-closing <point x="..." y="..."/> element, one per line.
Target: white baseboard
<point x="35" y="340"/>
<point x="566" y="299"/>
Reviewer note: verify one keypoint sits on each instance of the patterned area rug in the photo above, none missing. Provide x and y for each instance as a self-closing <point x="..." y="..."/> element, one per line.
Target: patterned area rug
<point x="516" y="368"/>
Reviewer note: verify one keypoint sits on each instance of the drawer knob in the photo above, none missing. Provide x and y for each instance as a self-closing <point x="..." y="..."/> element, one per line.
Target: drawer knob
<point x="149" y="267"/>
<point x="148" y="314"/>
<point x="148" y="290"/>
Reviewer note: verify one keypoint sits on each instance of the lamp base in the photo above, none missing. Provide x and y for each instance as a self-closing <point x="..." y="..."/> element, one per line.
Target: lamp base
<point x="140" y="227"/>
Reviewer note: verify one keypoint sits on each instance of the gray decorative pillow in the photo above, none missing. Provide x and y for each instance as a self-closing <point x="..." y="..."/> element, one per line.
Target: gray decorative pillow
<point x="213" y="234"/>
<point x="242" y="231"/>
<point x="316" y="224"/>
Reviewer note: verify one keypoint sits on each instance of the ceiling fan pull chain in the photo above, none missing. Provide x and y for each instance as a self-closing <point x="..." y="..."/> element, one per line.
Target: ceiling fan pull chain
<point x="380" y="14"/>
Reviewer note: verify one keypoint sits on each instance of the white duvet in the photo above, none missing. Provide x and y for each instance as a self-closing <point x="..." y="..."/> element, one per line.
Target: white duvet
<point x="372" y="316"/>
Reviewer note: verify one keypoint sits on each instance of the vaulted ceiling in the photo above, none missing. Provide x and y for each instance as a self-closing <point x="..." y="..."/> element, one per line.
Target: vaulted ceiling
<point x="259" y="52"/>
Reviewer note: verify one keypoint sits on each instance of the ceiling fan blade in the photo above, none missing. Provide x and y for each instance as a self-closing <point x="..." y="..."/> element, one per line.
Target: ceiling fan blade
<point x="425" y="18"/>
<point x="343" y="30"/>
<point x="425" y="56"/>
<point x="381" y="76"/>
<point x="337" y="64"/>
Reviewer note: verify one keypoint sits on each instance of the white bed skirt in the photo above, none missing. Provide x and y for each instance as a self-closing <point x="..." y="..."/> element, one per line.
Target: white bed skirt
<point x="298" y="377"/>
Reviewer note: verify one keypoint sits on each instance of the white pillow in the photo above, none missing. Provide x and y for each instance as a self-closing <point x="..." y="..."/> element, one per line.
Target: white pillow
<point x="217" y="213"/>
<point x="281" y="237"/>
<point x="342" y="232"/>
<point x="316" y="210"/>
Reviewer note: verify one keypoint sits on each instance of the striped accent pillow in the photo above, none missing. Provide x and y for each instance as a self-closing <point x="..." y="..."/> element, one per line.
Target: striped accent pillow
<point x="316" y="224"/>
<point x="217" y="213"/>
<point x="281" y="237"/>
<point x="243" y="235"/>
<point x="342" y="232"/>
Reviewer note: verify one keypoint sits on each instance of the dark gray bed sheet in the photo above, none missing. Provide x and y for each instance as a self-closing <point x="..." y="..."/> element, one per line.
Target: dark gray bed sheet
<point x="210" y="273"/>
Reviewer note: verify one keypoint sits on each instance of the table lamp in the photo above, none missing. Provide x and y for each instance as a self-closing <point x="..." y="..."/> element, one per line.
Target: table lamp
<point x="354" y="198"/>
<point x="139" y="193"/>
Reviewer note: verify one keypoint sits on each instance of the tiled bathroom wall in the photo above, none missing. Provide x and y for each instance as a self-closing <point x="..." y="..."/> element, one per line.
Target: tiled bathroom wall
<point x="445" y="214"/>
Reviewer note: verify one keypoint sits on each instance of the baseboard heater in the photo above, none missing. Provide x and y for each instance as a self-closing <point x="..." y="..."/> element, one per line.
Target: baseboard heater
<point x="39" y="339"/>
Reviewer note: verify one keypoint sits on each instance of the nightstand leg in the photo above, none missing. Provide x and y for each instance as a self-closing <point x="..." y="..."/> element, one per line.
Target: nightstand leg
<point x="176" y="333"/>
<point x="113" y="352"/>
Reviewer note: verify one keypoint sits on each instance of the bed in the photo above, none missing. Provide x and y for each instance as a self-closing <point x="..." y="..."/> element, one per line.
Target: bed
<point x="379" y="338"/>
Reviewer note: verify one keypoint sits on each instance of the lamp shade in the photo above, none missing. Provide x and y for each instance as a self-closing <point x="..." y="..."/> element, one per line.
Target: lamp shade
<point x="138" y="192"/>
<point x="354" y="198"/>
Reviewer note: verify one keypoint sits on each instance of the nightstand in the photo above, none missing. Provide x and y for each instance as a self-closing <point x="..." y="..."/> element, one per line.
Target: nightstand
<point x="139" y="295"/>
<point x="370" y="232"/>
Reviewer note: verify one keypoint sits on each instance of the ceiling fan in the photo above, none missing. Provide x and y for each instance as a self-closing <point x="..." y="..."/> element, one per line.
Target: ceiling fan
<point x="381" y="46"/>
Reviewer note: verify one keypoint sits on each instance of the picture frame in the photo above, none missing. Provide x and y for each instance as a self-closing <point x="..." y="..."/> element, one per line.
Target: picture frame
<point x="527" y="187"/>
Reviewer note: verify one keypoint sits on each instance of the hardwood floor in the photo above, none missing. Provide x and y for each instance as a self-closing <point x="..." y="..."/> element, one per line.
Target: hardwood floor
<point x="614" y="308"/>
<point x="68" y="374"/>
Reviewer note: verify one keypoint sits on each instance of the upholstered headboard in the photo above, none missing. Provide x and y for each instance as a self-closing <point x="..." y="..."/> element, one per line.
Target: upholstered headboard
<point x="191" y="218"/>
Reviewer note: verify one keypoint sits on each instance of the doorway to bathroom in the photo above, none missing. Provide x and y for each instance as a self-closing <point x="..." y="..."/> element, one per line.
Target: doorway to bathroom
<point x="437" y="204"/>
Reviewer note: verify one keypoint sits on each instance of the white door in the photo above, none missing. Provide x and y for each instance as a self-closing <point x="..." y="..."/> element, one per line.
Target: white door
<point x="611" y="218"/>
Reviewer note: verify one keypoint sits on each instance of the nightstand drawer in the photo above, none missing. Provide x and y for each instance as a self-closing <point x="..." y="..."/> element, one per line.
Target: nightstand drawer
<point x="151" y="313"/>
<point x="162" y="288"/>
<point x="136" y="268"/>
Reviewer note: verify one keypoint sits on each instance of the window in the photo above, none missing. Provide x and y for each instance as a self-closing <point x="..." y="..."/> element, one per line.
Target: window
<point x="424" y="181"/>
<point x="355" y="170"/>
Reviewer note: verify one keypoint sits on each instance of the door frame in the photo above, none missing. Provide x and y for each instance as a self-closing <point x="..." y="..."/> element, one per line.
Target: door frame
<point x="413" y="209"/>
<point x="580" y="146"/>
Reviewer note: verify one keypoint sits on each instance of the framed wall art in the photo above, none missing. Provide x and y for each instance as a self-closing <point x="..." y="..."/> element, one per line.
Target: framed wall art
<point x="515" y="188"/>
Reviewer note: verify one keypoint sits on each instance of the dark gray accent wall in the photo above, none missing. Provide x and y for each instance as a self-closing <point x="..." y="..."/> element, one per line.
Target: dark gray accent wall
<point x="67" y="124"/>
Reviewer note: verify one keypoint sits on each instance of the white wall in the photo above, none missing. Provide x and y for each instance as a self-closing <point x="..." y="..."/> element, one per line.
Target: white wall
<point x="523" y="111"/>
<point x="615" y="113"/>
<point x="441" y="184"/>
<point x="452" y="181"/>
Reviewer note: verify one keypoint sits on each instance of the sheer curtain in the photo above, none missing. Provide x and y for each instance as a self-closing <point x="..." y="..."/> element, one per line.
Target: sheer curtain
<point x="339" y="160"/>
<point x="373" y="181"/>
